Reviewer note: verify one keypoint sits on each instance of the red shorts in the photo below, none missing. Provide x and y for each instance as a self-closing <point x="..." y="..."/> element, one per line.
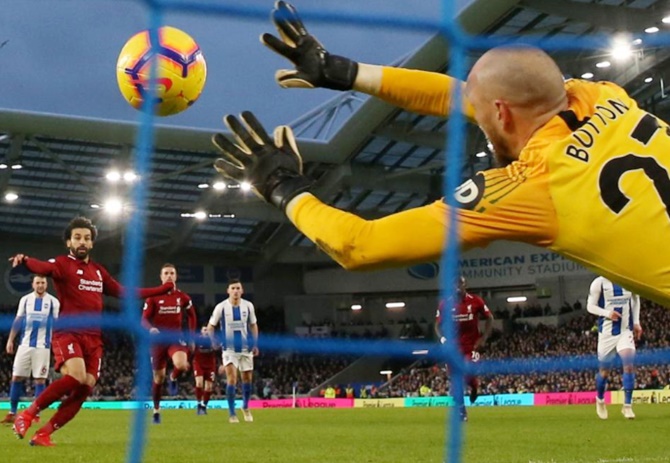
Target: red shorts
<point x="78" y="345"/>
<point x="470" y="354"/>
<point x="161" y="353"/>
<point x="205" y="366"/>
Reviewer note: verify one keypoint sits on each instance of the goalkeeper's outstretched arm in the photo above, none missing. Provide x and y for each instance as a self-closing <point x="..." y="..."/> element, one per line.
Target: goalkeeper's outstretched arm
<point x="417" y="91"/>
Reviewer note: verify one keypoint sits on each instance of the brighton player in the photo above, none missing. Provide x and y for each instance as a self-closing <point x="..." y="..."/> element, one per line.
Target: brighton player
<point x="204" y="369"/>
<point x="618" y="312"/>
<point x="35" y="317"/>
<point x="239" y="343"/>
<point x="467" y="310"/>
<point x="166" y="313"/>
<point x="80" y="285"/>
<point x="583" y="170"/>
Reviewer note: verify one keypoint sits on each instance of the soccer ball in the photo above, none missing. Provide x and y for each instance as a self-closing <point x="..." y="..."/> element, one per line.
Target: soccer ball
<point x="180" y="74"/>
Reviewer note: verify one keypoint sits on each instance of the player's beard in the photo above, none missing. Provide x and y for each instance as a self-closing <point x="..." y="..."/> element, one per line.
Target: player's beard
<point x="502" y="153"/>
<point x="80" y="253"/>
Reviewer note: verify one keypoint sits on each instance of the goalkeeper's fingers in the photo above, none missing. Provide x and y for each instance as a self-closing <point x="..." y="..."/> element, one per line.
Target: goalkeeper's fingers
<point x="285" y="139"/>
<point x="288" y="23"/>
<point x="292" y="79"/>
<point x="232" y="154"/>
<point x="278" y="46"/>
<point x="229" y="169"/>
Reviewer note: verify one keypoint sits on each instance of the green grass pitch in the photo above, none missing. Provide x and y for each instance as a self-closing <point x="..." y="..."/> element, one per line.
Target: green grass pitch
<point x="570" y="434"/>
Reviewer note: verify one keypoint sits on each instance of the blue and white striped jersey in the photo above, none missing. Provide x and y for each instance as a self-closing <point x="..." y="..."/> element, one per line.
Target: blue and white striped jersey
<point x="235" y="322"/>
<point x="38" y="315"/>
<point x="605" y="297"/>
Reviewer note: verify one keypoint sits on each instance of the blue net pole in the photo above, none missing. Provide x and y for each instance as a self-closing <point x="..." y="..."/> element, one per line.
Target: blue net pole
<point x="133" y="258"/>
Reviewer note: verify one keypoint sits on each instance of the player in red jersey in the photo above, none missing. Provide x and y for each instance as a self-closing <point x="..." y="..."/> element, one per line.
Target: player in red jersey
<point x="80" y="284"/>
<point x="204" y="369"/>
<point x="468" y="310"/>
<point x="166" y="313"/>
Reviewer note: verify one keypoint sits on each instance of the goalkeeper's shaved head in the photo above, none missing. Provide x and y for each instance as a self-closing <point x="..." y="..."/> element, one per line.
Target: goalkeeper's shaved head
<point x="514" y="91"/>
<point x="526" y="77"/>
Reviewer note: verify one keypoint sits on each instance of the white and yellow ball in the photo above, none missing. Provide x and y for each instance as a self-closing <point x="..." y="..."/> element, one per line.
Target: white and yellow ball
<point x="180" y="75"/>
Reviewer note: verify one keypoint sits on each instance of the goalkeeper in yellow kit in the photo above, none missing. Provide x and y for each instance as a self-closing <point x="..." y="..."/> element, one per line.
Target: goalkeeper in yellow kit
<point x="585" y="171"/>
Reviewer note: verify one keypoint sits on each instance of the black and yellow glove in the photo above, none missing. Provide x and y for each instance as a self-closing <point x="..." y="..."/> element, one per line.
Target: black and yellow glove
<point x="274" y="168"/>
<point x="314" y="66"/>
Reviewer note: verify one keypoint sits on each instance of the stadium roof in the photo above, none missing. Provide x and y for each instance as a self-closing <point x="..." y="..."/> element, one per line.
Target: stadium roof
<point x="366" y="156"/>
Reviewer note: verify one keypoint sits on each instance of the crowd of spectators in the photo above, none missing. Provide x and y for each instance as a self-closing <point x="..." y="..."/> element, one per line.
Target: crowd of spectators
<point x="278" y="373"/>
<point x="565" y="344"/>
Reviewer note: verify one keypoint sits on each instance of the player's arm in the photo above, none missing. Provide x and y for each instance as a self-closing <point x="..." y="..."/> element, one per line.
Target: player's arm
<point x="595" y="291"/>
<point x="274" y="169"/>
<point x="46" y="268"/>
<point x="55" y="308"/>
<point x="488" y="327"/>
<point x="635" y="313"/>
<point x="214" y="320"/>
<point x="418" y="91"/>
<point x="253" y="329"/>
<point x="148" y="313"/>
<point x="16" y="325"/>
<point x="192" y="320"/>
<point x="111" y="287"/>
<point x="438" y="323"/>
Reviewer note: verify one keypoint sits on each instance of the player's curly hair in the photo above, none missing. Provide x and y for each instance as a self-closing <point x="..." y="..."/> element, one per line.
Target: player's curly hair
<point x="80" y="222"/>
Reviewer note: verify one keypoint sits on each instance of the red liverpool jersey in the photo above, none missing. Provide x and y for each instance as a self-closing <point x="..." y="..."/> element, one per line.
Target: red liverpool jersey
<point x="166" y="312"/>
<point x="80" y="286"/>
<point x="466" y="313"/>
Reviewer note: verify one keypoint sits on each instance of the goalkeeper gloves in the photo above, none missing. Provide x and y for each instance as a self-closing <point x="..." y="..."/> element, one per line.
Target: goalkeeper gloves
<point x="314" y="66"/>
<point x="274" y="168"/>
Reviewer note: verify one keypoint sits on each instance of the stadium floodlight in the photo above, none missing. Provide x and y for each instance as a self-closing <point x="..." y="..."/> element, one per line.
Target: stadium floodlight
<point x="356" y="306"/>
<point x="129" y="176"/>
<point x="603" y="64"/>
<point x="648" y="80"/>
<point x="395" y="305"/>
<point x="113" y="176"/>
<point x="481" y="154"/>
<point x="666" y="20"/>
<point x="621" y="50"/>
<point x="517" y="299"/>
<point x="651" y="30"/>
<point x="11" y="197"/>
<point x="219" y="186"/>
<point x="203" y="186"/>
<point x="17" y="166"/>
<point x="245" y="186"/>
<point x="587" y="75"/>
<point x="228" y="216"/>
<point x="3" y="165"/>
<point x="200" y="215"/>
<point x="113" y="206"/>
<point x="386" y="372"/>
<point x="420" y="352"/>
<point x="636" y="42"/>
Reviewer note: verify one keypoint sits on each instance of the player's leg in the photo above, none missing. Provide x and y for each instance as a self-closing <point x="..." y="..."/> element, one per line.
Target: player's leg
<point x="471" y="380"/>
<point x="606" y="352"/>
<point x="626" y="350"/>
<point x="16" y="390"/>
<point x="159" y="357"/>
<point x="179" y="356"/>
<point x="231" y="364"/>
<point x="40" y="360"/>
<point x="20" y="372"/>
<point x="199" y="384"/>
<point x="207" y="391"/>
<point x="247" y="373"/>
<point x="91" y="346"/>
<point x="66" y="349"/>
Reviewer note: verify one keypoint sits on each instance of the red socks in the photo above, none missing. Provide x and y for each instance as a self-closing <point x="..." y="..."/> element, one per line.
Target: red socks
<point x="156" y="394"/>
<point x="68" y="409"/>
<point x="205" y="396"/>
<point x="198" y="393"/>
<point x="64" y="386"/>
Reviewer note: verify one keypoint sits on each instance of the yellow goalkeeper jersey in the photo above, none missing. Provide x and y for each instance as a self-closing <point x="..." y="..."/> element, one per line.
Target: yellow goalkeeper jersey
<point x="592" y="185"/>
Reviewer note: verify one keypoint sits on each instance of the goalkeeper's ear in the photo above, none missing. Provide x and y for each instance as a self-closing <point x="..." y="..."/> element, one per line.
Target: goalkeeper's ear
<point x="284" y="138"/>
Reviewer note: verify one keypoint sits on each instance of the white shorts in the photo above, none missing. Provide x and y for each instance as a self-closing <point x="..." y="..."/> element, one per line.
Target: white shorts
<point x="243" y="361"/>
<point x="609" y="345"/>
<point x="33" y="360"/>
